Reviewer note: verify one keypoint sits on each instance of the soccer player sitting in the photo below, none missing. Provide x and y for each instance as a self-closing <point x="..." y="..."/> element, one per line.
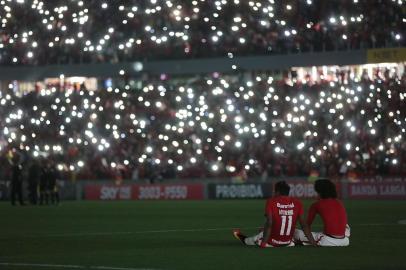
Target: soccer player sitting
<point x="281" y="214"/>
<point x="336" y="231"/>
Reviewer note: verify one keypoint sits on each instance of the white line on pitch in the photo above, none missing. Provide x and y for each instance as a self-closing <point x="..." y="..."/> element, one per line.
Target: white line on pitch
<point x="118" y="268"/>
<point x="180" y="230"/>
<point x="373" y="224"/>
<point x="127" y="233"/>
<point x="173" y="231"/>
<point x="42" y="265"/>
<point x="142" y="232"/>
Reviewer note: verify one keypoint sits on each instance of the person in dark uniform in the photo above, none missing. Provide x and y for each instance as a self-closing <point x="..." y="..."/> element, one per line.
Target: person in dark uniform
<point x="16" y="181"/>
<point x="43" y="184"/>
<point x="34" y="175"/>
<point x="52" y="189"/>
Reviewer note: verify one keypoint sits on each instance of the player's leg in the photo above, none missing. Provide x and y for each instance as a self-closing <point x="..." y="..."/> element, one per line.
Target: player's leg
<point x="56" y="194"/>
<point x="238" y="235"/>
<point x="47" y="196"/>
<point x="254" y="240"/>
<point x="300" y="238"/>
<point x="13" y="193"/>
<point x="327" y="241"/>
<point x="20" y="193"/>
<point x="249" y="241"/>
<point x="35" y="194"/>
<point x="52" y="195"/>
<point x="41" y="196"/>
<point x="347" y="230"/>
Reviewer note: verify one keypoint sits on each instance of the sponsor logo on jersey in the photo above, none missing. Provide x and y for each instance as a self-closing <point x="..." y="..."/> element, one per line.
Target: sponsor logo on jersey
<point x="283" y="212"/>
<point x="284" y="206"/>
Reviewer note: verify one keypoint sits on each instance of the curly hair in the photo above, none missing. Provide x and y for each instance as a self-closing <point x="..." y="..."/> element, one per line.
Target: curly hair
<point x="282" y="188"/>
<point x="325" y="188"/>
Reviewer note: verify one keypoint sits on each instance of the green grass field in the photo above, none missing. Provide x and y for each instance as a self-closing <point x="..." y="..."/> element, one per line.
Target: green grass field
<point x="186" y="235"/>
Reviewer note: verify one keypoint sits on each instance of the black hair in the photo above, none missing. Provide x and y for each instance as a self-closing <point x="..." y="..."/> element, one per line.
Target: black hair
<point x="325" y="188"/>
<point x="282" y="188"/>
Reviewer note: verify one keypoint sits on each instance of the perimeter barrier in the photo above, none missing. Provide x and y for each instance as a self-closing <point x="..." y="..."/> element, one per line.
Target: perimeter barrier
<point x="385" y="188"/>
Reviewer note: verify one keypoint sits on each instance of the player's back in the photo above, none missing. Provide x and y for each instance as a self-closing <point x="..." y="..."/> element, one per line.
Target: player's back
<point x="284" y="211"/>
<point x="333" y="214"/>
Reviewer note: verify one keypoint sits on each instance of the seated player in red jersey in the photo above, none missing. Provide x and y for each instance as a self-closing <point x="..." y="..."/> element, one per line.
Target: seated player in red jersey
<point x="281" y="214"/>
<point x="336" y="231"/>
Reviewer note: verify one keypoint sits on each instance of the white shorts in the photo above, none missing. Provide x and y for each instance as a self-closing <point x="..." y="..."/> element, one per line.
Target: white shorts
<point x="322" y="239"/>
<point x="257" y="239"/>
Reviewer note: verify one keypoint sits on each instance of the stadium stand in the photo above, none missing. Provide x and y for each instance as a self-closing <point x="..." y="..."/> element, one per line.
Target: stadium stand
<point x="217" y="125"/>
<point x="329" y="121"/>
<point x="51" y="32"/>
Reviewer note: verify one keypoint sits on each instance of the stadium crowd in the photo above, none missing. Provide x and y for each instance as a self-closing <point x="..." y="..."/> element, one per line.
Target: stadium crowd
<point x="330" y="123"/>
<point x="49" y="32"/>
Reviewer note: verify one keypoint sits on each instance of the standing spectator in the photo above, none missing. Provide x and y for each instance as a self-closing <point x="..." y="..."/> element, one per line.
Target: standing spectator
<point x="16" y="181"/>
<point x="52" y="189"/>
<point x="43" y="184"/>
<point x="33" y="180"/>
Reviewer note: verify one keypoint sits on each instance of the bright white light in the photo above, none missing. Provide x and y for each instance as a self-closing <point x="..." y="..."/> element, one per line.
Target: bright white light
<point x="300" y="146"/>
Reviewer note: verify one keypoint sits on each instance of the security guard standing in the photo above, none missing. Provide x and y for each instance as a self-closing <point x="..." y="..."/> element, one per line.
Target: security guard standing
<point x="44" y="183"/>
<point x="53" y="188"/>
<point x="34" y="175"/>
<point x="16" y="181"/>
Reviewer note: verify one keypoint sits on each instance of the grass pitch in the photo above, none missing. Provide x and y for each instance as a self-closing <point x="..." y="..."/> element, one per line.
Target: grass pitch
<point x="186" y="235"/>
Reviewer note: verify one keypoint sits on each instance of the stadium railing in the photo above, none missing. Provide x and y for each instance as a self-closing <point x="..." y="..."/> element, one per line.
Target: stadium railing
<point x="206" y="65"/>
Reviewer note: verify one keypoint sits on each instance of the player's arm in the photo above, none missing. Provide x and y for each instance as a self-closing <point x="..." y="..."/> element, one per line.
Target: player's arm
<point x="311" y="215"/>
<point x="306" y="229"/>
<point x="267" y="231"/>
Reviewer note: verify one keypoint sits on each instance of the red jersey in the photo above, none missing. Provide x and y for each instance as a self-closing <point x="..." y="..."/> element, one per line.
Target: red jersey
<point x="333" y="214"/>
<point x="284" y="211"/>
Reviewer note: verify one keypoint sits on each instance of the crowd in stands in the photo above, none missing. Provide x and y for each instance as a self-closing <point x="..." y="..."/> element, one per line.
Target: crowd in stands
<point x="38" y="32"/>
<point x="334" y="123"/>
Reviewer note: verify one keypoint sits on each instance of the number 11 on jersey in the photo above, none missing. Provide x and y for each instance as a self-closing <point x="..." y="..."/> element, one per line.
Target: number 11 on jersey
<point x="286" y="230"/>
